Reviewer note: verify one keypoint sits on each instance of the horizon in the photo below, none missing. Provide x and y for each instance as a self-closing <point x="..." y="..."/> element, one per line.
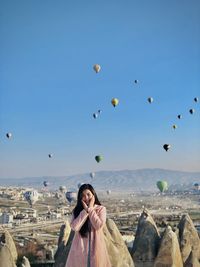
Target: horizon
<point x="100" y="171"/>
<point x="49" y="90"/>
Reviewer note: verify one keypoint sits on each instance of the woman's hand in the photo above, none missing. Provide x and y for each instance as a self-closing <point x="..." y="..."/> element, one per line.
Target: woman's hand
<point x="91" y="203"/>
<point x="84" y="205"/>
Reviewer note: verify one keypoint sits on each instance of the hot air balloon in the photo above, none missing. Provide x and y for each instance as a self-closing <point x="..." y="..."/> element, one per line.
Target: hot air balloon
<point x="8" y="135"/>
<point x="71" y="196"/>
<point x="115" y="102"/>
<point x="99" y="111"/>
<point x="95" y="115"/>
<point x="79" y="185"/>
<point x="196" y="99"/>
<point x="166" y="147"/>
<point x="97" y="68"/>
<point x="62" y="188"/>
<point x="92" y="174"/>
<point x="174" y="126"/>
<point x="179" y="116"/>
<point x="45" y="183"/>
<point x="150" y="99"/>
<point x="108" y="192"/>
<point x="191" y="111"/>
<point x="196" y="186"/>
<point x="98" y="158"/>
<point x="31" y="196"/>
<point x="162" y="186"/>
<point x="136" y="81"/>
<point x="50" y="155"/>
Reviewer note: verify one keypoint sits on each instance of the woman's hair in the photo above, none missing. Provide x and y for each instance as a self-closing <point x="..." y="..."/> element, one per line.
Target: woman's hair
<point x="79" y="207"/>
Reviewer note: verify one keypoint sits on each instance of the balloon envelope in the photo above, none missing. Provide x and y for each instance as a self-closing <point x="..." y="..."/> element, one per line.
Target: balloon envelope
<point x="191" y="111"/>
<point x="71" y="196"/>
<point x="31" y="196"/>
<point x="150" y="99"/>
<point x="166" y="147"/>
<point x="8" y="135"/>
<point x="62" y="188"/>
<point x="196" y="99"/>
<point x="95" y="115"/>
<point x="98" y="158"/>
<point x="50" y="155"/>
<point x="115" y="102"/>
<point x="79" y="185"/>
<point x="174" y="126"/>
<point x="97" y="68"/>
<point x="179" y="116"/>
<point x="92" y="174"/>
<point x="196" y="186"/>
<point x="45" y="183"/>
<point x="162" y="185"/>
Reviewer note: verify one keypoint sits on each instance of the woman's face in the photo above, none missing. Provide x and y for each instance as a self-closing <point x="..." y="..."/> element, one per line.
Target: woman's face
<point x="86" y="196"/>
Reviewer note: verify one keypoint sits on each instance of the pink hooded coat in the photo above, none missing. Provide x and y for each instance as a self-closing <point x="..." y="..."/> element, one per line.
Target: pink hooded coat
<point x="78" y="255"/>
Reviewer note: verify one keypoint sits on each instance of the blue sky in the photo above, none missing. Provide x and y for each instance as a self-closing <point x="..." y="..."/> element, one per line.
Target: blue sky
<point x="49" y="90"/>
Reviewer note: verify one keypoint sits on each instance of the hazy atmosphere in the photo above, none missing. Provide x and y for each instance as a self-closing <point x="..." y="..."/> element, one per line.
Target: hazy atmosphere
<point x="49" y="90"/>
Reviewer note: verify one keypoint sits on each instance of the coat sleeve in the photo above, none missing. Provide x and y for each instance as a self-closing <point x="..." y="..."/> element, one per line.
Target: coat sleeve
<point x="97" y="219"/>
<point x="78" y="222"/>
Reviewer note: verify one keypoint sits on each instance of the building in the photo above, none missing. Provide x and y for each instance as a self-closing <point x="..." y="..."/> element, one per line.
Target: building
<point x="6" y="218"/>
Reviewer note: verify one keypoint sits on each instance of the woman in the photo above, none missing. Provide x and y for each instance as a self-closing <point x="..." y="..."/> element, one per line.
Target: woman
<point x="88" y="248"/>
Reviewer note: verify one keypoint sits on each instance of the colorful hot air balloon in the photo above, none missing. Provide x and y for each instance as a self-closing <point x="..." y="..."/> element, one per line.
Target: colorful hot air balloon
<point x="191" y="111"/>
<point x="115" y="102"/>
<point x="162" y="185"/>
<point x="179" y="116"/>
<point x="31" y="196"/>
<point x="196" y="186"/>
<point x="79" y="185"/>
<point x="71" y="196"/>
<point x="166" y="147"/>
<point x="8" y="135"/>
<point x="97" y="68"/>
<point x="108" y="192"/>
<point x="150" y="99"/>
<point x="45" y="183"/>
<point x="92" y="175"/>
<point x="62" y="188"/>
<point x="98" y="158"/>
<point x="95" y="115"/>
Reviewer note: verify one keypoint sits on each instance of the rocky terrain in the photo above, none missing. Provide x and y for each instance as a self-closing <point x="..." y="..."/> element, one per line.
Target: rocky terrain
<point x="178" y="247"/>
<point x="163" y="236"/>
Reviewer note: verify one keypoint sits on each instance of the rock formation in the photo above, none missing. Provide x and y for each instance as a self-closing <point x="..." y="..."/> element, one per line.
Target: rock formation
<point x="8" y="251"/>
<point x="64" y="244"/>
<point x="188" y="239"/>
<point x="6" y="259"/>
<point x="146" y="243"/>
<point x="117" y="250"/>
<point x="169" y="254"/>
<point x="192" y="261"/>
<point x="64" y="234"/>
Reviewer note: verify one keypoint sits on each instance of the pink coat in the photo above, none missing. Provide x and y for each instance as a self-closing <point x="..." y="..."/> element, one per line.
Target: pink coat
<point x="78" y="255"/>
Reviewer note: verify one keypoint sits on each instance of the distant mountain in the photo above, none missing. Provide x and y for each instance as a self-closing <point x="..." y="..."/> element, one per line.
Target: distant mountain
<point x="124" y="180"/>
